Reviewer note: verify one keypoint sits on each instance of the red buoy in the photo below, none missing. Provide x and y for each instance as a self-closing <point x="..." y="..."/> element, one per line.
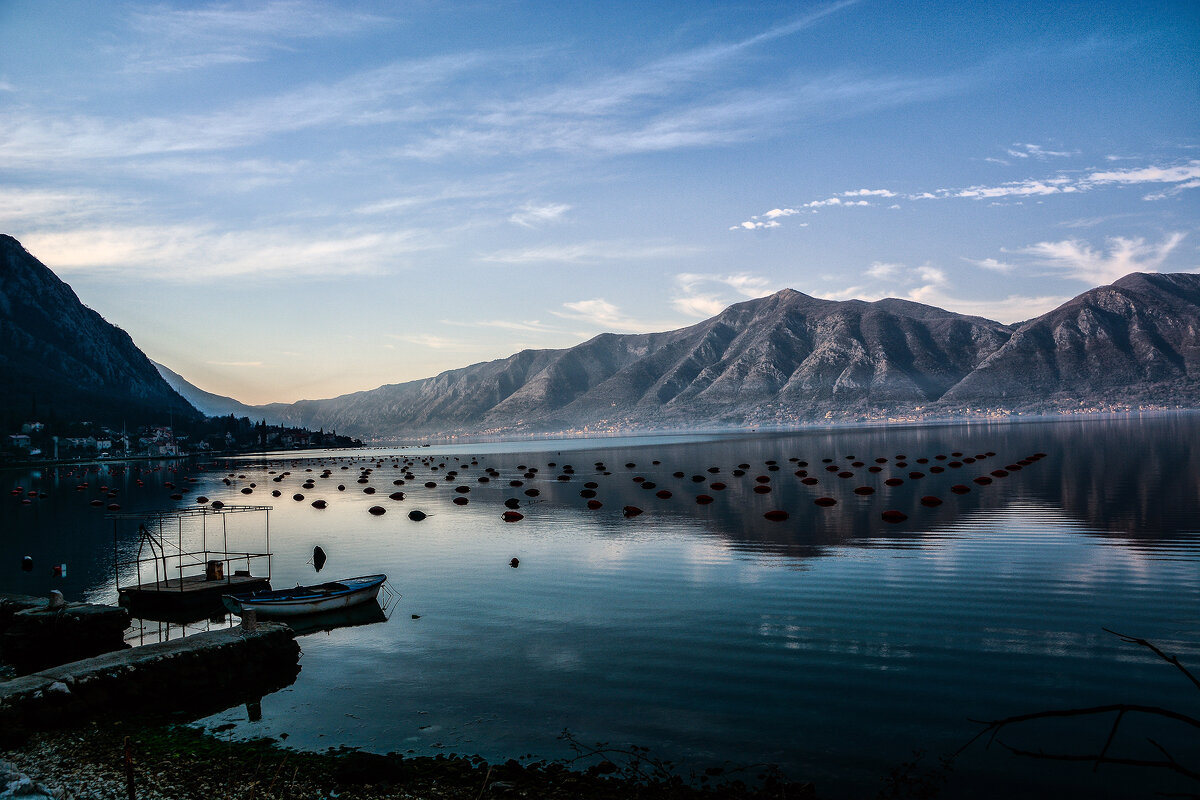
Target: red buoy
<point x="631" y="511"/>
<point x="930" y="501"/>
<point x="703" y="499"/>
<point x="512" y="516"/>
<point x="864" y="490"/>
<point x="893" y="516"/>
<point x="776" y="515"/>
<point x="825" y="502"/>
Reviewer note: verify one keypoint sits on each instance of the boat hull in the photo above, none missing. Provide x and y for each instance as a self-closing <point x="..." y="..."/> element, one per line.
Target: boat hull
<point x="306" y="600"/>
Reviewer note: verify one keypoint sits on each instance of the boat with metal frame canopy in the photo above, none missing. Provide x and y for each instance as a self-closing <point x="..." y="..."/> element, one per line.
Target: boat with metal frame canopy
<point x="177" y="566"/>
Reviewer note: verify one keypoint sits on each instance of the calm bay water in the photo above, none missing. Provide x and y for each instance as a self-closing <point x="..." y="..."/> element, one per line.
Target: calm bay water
<point x="833" y="643"/>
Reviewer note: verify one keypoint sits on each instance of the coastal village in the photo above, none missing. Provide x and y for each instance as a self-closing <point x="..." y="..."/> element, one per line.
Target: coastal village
<point x="36" y="441"/>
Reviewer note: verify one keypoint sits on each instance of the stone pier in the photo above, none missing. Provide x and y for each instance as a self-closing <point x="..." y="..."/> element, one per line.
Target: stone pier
<point x="200" y="674"/>
<point x="35" y="635"/>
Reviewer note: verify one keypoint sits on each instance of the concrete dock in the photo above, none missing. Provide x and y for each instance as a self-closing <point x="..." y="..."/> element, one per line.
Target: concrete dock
<point x="202" y="673"/>
<point x="35" y="635"/>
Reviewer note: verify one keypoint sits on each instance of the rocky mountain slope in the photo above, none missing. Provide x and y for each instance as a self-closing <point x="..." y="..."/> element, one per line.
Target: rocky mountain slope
<point x="788" y="357"/>
<point x="791" y="358"/>
<point x="1135" y="340"/>
<point x="60" y="359"/>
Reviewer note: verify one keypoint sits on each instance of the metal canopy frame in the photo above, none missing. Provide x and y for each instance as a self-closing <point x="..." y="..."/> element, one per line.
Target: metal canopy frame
<point x="154" y="536"/>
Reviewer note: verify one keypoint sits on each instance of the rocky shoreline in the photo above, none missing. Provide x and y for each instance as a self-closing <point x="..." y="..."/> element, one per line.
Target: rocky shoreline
<point x="100" y="761"/>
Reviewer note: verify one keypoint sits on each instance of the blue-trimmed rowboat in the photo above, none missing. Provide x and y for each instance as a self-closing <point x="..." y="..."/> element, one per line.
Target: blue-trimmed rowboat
<point x="303" y="600"/>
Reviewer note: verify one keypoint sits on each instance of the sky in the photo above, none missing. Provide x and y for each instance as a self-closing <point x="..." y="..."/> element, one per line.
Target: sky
<point x="296" y="199"/>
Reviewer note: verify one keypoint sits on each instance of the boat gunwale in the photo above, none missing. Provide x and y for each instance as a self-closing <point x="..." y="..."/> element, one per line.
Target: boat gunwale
<point x="288" y="596"/>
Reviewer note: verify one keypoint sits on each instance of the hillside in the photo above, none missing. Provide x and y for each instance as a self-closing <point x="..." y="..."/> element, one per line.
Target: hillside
<point x="61" y="360"/>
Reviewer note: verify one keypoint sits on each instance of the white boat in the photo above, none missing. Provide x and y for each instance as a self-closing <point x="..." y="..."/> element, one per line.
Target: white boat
<point x="304" y="600"/>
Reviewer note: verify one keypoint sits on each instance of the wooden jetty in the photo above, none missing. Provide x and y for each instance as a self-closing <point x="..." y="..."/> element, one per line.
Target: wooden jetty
<point x="179" y="570"/>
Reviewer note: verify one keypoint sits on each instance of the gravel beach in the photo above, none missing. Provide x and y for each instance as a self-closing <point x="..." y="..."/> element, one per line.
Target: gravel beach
<point x="171" y="762"/>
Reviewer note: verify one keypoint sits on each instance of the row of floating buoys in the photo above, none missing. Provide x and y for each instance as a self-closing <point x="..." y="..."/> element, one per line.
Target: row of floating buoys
<point x="762" y="482"/>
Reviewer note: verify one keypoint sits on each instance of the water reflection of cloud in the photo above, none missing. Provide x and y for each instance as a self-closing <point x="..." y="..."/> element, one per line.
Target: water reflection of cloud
<point x="554" y="657"/>
<point x="789" y="633"/>
<point x="1026" y="537"/>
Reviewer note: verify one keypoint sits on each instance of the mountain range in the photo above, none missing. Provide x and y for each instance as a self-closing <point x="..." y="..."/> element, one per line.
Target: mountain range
<point x="784" y="359"/>
<point x="790" y="358"/>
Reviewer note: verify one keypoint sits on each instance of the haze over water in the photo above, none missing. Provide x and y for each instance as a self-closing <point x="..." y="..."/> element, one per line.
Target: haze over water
<point x="833" y="643"/>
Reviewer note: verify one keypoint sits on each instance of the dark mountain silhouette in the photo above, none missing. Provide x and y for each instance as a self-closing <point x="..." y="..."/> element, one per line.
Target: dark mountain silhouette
<point x="61" y="360"/>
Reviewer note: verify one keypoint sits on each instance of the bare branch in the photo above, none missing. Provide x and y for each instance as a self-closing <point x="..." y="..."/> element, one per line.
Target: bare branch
<point x="1080" y="712"/>
<point x="1172" y="660"/>
<point x="1131" y="762"/>
<point x="1111" y="735"/>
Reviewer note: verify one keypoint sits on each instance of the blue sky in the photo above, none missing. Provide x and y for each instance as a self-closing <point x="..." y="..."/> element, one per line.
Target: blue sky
<point x="297" y="199"/>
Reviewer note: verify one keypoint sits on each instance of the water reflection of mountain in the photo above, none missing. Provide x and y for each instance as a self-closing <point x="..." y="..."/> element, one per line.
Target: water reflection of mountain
<point x="1135" y="479"/>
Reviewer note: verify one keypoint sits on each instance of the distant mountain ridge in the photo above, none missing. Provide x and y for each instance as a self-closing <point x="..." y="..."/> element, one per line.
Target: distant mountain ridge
<point x="790" y="358"/>
<point x="209" y="404"/>
<point x="60" y="359"/>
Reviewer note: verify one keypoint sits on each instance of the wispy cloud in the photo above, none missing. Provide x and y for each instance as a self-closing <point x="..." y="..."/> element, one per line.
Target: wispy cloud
<point x="195" y="254"/>
<point x="1180" y="177"/>
<point x="685" y="100"/>
<point x="882" y="270"/>
<point x="235" y="363"/>
<point x="522" y="326"/>
<point x="178" y="39"/>
<point x="435" y="342"/>
<point x="869" y="193"/>
<point x="531" y="215"/>
<point x="991" y="264"/>
<point x="705" y="295"/>
<point x="22" y="207"/>
<point x="603" y="315"/>
<point x="390" y="94"/>
<point x="930" y="285"/>
<point x="588" y="253"/>
<point x="1019" y="150"/>
<point x="1009" y="309"/>
<point x="1120" y="256"/>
